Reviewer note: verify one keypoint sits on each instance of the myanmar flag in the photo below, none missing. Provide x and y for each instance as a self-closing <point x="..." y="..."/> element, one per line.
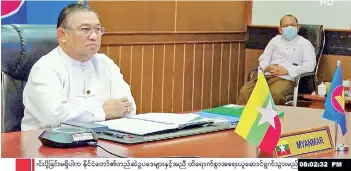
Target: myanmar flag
<point x="282" y="148"/>
<point x="259" y="123"/>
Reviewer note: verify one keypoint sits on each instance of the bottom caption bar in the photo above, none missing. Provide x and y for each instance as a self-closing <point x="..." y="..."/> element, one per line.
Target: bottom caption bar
<point x="324" y="164"/>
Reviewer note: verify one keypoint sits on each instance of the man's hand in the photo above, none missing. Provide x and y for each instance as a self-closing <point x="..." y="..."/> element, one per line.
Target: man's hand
<point x="268" y="68"/>
<point x="278" y="70"/>
<point x="116" y="108"/>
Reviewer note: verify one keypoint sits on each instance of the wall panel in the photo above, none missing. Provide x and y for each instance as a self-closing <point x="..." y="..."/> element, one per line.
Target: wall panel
<point x="198" y="76"/>
<point x="135" y="15"/>
<point x="188" y="77"/>
<point x="147" y="79"/>
<point x="234" y="71"/>
<point x="176" y="55"/>
<point x="207" y="76"/>
<point x="178" y="94"/>
<point x="158" y="77"/>
<point x="211" y="15"/>
<point x="180" y="76"/>
<point x="168" y="80"/>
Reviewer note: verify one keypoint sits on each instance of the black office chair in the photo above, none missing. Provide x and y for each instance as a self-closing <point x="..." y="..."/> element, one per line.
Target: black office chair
<point x="21" y="47"/>
<point x="305" y="83"/>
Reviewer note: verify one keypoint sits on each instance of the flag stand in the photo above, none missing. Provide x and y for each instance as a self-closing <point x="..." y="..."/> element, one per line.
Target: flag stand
<point x="339" y="147"/>
<point x="258" y="74"/>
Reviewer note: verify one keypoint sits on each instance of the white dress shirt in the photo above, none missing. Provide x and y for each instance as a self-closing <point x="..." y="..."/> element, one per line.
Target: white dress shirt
<point x="60" y="88"/>
<point x="297" y="56"/>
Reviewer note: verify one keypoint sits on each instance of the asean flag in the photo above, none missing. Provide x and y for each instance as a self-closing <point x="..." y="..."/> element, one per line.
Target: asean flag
<point x="10" y="7"/>
<point x="335" y="102"/>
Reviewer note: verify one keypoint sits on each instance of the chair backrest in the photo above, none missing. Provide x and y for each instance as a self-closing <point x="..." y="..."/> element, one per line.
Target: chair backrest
<point x="21" y="47"/>
<point x="316" y="35"/>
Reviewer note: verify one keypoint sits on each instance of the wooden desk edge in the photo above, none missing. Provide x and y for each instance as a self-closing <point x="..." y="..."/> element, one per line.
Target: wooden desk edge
<point x="322" y="98"/>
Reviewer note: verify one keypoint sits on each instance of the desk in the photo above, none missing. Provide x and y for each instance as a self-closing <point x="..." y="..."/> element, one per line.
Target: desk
<point x="318" y="101"/>
<point x="214" y="145"/>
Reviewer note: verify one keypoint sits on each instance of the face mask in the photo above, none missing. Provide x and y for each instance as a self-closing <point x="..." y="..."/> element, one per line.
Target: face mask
<point x="289" y="32"/>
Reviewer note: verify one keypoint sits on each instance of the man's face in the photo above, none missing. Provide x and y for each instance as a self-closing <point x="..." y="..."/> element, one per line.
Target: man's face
<point x="287" y="21"/>
<point x="83" y="36"/>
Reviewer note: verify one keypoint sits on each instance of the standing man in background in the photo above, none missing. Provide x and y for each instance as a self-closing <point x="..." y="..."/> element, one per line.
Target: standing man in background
<point x="73" y="82"/>
<point x="285" y="57"/>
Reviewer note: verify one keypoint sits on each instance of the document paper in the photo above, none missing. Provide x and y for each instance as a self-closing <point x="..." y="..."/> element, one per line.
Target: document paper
<point x="142" y="124"/>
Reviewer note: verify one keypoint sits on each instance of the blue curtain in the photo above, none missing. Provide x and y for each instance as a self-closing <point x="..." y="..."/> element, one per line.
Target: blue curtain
<point x="38" y="12"/>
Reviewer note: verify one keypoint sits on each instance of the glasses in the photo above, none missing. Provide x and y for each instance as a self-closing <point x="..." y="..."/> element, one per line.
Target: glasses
<point x="86" y="31"/>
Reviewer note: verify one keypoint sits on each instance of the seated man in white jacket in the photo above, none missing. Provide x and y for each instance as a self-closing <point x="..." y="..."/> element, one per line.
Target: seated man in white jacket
<point x="286" y="56"/>
<point x="73" y="82"/>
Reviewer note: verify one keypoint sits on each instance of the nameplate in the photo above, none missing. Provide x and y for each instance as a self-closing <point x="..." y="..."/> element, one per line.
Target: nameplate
<point x="305" y="143"/>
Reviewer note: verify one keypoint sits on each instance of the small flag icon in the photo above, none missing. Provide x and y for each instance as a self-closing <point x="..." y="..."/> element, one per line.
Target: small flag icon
<point x="24" y="165"/>
<point x="282" y="148"/>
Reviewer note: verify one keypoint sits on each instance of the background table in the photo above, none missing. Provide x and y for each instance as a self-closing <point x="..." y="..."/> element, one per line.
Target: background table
<point x="318" y="101"/>
<point x="213" y="145"/>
